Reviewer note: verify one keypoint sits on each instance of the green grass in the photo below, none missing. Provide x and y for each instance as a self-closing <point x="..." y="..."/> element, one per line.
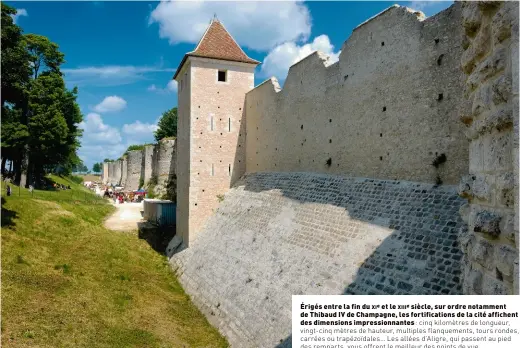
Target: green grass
<point x="69" y="282"/>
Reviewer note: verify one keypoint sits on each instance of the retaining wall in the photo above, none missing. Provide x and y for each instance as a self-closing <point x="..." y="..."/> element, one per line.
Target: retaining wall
<point x="279" y="234"/>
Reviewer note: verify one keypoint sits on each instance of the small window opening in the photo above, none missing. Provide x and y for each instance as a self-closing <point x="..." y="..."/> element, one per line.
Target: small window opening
<point x="440" y="97"/>
<point x="380" y="135"/>
<point x="384" y="108"/>
<point x="380" y="158"/>
<point x="439" y="60"/>
<point x="436" y="41"/>
<point x="382" y="43"/>
<point x="222" y="75"/>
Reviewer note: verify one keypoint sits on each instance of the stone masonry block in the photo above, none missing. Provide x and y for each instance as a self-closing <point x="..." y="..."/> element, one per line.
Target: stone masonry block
<point x="471" y="19"/>
<point x="481" y="100"/>
<point x="482" y="252"/>
<point x="501" y="89"/>
<point x="487" y="222"/>
<point x="497" y="152"/>
<point x="479" y="47"/>
<point x="501" y="24"/>
<point x="476" y="186"/>
<point x="505" y="257"/>
<point x="473" y="282"/>
<point x="505" y="189"/>
<point x="507" y="224"/>
<point x="492" y="286"/>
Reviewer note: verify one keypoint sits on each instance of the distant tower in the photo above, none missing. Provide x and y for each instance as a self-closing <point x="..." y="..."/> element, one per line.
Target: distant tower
<point x="212" y="83"/>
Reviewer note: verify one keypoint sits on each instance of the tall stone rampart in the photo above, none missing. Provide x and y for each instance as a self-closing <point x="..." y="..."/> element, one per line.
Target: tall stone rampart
<point x="387" y="109"/>
<point x="117" y="171"/>
<point x="148" y="163"/>
<point x="165" y="157"/>
<point x="279" y="234"/>
<point x="134" y="160"/>
<point x="124" y="170"/>
<point x="490" y="64"/>
<point x="105" y="178"/>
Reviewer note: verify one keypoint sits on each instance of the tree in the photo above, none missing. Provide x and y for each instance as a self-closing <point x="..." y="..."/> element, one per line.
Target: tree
<point x="167" y="126"/>
<point x="96" y="168"/>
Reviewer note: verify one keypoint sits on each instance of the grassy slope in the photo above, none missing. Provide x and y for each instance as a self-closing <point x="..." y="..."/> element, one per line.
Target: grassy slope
<point x="69" y="282"/>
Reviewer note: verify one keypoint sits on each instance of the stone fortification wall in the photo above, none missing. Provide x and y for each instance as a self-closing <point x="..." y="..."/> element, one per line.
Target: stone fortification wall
<point x="279" y="234"/>
<point x="105" y="172"/>
<point x="490" y="63"/>
<point x="148" y="163"/>
<point x="388" y="109"/>
<point x="124" y="170"/>
<point x="134" y="167"/>
<point x="164" y="161"/>
<point x="112" y="172"/>
<point x="117" y="172"/>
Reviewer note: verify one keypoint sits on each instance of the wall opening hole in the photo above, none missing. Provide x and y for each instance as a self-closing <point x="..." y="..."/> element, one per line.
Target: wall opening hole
<point x="220" y="133"/>
<point x="439" y="60"/>
<point x="330" y="120"/>
<point x="330" y="141"/>
<point x="384" y="108"/>
<point x="440" y="97"/>
<point x="220" y="146"/>
<point x="195" y="204"/>
<point x="301" y="127"/>
<point x="276" y="149"/>
<point x="499" y="274"/>
<point x="345" y="78"/>
<point x="239" y="108"/>
<point x="218" y="107"/>
<point x="200" y="132"/>
<point x="382" y="43"/>
<point x="380" y="158"/>
<point x="229" y="169"/>
<point x="222" y="75"/>
<point x="436" y="41"/>
<point x="218" y="92"/>
<point x="380" y="135"/>
<point x="199" y="106"/>
<point x="329" y="162"/>
<point x="203" y="190"/>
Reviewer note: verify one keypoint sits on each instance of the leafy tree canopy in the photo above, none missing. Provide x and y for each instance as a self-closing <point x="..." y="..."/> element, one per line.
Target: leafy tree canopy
<point x="167" y="126"/>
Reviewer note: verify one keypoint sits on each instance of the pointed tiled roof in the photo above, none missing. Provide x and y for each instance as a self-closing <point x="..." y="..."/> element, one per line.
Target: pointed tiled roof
<point x="217" y="43"/>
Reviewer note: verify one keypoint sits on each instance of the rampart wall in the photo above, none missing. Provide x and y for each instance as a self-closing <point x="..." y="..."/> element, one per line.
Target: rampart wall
<point x="134" y="160"/>
<point x="105" y="172"/>
<point x="154" y="160"/>
<point x="490" y="64"/>
<point x="387" y="109"/>
<point x="148" y="162"/>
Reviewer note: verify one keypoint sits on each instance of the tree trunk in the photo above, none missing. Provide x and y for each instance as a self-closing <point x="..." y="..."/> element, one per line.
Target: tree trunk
<point x="3" y="165"/>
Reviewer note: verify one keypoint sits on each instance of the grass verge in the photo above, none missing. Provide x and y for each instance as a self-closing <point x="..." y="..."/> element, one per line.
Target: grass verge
<point x="69" y="282"/>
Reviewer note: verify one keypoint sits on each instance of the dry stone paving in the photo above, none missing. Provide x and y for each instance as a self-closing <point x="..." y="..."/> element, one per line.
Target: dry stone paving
<point x="279" y="234"/>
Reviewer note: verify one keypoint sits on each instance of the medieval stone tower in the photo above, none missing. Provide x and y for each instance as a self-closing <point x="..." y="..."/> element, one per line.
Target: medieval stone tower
<point x="212" y="83"/>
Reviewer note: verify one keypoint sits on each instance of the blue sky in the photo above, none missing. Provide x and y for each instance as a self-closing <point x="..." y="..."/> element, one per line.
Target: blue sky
<point x="122" y="55"/>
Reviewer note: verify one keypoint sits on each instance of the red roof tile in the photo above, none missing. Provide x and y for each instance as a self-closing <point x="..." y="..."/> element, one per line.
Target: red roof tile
<point x="217" y="43"/>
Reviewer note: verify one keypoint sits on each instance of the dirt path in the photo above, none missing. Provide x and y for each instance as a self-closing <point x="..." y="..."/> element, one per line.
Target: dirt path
<point x="126" y="217"/>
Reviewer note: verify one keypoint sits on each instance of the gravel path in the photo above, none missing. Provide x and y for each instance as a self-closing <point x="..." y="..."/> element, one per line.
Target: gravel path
<point x="126" y="217"/>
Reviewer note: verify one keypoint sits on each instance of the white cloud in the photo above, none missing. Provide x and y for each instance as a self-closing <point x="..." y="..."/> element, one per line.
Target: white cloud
<point x="256" y="25"/>
<point x="111" y="75"/>
<point x="100" y="141"/>
<point x="20" y="12"/>
<point x="137" y="128"/>
<point x="97" y="132"/>
<point x="111" y="104"/>
<point x="171" y="87"/>
<point x="282" y="57"/>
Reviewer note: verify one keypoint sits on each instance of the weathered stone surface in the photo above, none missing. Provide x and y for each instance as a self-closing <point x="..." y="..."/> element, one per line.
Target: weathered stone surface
<point x="471" y="20"/>
<point x="501" y="89"/>
<point x="482" y="252"/>
<point x="505" y="189"/>
<point x="487" y="222"/>
<point x="506" y="256"/>
<point x="475" y="186"/>
<point x="493" y="286"/>
<point x="482" y="99"/>
<point x="279" y="234"/>
<point x="478" y="48"/>
<point x="134" y="169"/>
<point x="502" y="24"/>
<point x="487" y="68"/>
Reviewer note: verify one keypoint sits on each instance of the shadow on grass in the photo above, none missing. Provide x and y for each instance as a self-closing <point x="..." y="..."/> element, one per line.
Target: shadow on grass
<point x="157" y="237"/>
<point x="7" y="215"/>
